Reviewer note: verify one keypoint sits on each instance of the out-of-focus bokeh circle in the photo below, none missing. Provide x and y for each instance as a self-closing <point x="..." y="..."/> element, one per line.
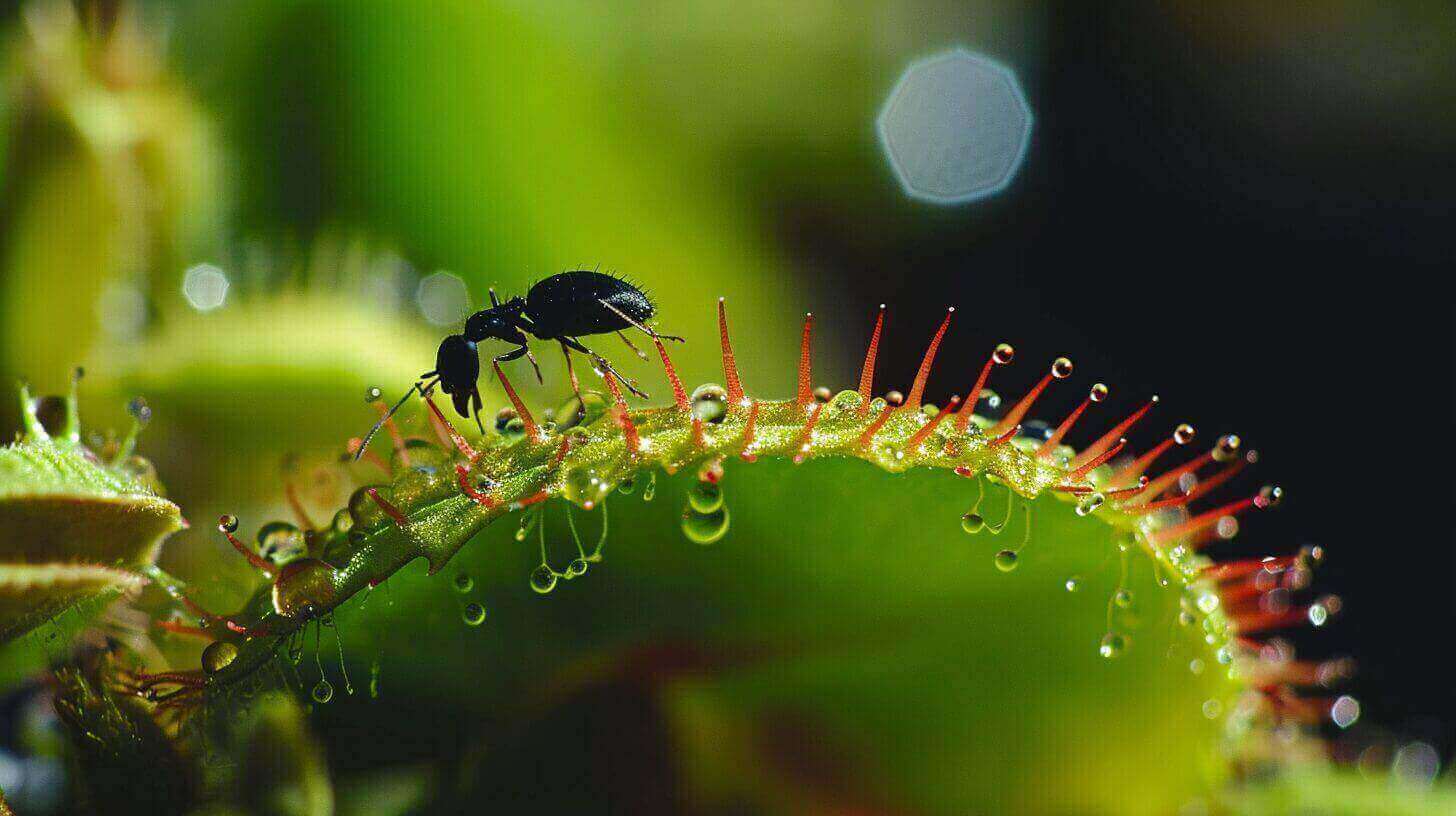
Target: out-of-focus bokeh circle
<point x="956" y="127"/>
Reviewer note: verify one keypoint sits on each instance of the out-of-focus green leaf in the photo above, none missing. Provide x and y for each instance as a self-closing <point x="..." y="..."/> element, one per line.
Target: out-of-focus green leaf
<point x="71" y="526"/>
<point x="1340" y="792"/>
<point x="282" y="770"/>
<point x="127" y="763"/>
<point x="112" y="185"/>
<point x="846" y="614"/>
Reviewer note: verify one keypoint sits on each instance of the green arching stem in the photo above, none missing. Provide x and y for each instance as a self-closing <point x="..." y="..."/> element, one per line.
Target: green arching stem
<point x="441" y="517"/>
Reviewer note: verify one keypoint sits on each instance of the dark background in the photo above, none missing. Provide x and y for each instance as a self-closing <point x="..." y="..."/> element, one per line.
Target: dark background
<point x="1291" y="286"/>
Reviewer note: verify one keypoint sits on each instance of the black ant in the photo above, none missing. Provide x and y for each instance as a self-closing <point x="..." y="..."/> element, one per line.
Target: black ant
<point x="563" y="308"/>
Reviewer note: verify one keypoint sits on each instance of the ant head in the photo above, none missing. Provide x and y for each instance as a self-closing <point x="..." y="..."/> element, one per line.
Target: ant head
<point x="457" y="364"/>
<point x="501" y="322"/>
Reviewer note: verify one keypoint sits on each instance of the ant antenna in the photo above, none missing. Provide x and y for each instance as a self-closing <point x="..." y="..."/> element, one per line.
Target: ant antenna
<point x="418" y="386"/>
<point x="494" y="301"/>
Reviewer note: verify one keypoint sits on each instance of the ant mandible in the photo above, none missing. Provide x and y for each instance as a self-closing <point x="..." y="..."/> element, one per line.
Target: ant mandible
<point x="563" y="308"/>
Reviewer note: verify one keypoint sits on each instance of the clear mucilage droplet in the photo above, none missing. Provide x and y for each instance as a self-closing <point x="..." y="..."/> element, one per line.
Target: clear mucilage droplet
<point x="973" y="523"/>
<point x="710" y="403"/>
<point x="1006" y="560"/>
<point x="705" y="497"/>
<point x="705" y="528"/>
<point x="543" y="579"/>
<point x="1112" y="645"/>
<point x="1089" y="503"/>
<point x="584" y="488"/>
<point x="473" y="614"/>
<point x="1227" y="448"/>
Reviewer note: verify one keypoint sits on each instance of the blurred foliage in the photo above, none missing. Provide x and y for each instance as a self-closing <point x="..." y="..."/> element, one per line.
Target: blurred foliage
<point x="75" y="525"/>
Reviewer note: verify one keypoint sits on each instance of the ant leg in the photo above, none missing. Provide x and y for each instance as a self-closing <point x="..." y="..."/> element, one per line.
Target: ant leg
<point x="603" y="363"/>
<point x="575" y="383"/>
<point x="418" y="386"/>
<point x="535" y="365"/>
<point x="517" y="353"/>
<point x="475" y="400"/>
<point x="650" y="332"/>
<point x="642" y="355"/>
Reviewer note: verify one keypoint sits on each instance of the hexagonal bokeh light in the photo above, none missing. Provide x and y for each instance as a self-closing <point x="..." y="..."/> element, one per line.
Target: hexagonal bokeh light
<point x="955" y="127"/>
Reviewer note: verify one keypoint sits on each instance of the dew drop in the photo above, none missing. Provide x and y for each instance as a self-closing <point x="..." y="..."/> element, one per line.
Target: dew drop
<point x="1112" y="645"/>
<point x="1006" y="560"/>
<point x="1212" y="708"/>
<point x="575" y="414"/>
<point x="1345" y="711"/>
<point x="372" y="394"/>
<point x="528" y="521"/>
<point x="650" y="491"/>
<point x="1061" y="368"/>
<point x="1226" y="527"/>
<point x="1185" y="618"/>
<point x="514" y="430"/>
<point x="989" y="405"/>
<point x="464" y="583"/>
<point x="973" y="523"/>
<point x="228" y="523"/>
<point x="627" y="487"/>
<point x="139" y="410"/>
<point x="1098" y="393"/>
<point x="705" y="528"/>
<point x="473" y="614"/>
<point x="584" y="488"/>
<point x="503" y="418"/>
<point x="281" y="542"/>
<point x="823" y="394"/>
<point x="1089" y="503"/>
<point x="1227" y="448"/>
<point x="710" y="403"/>
<point x="1036" y="429"/>
<point x="139" y="468"/>
<point x="1073" y="584"/>
<point x="894" y="397"/>
<point x="1183" y="434"/>
<point x="367" y="514"/>
<point x="1123" y="598"/>
<point x="576" y="568"/>
<point x="323" y="691"/>
<point x="1271" y="495"/>
<point x="218" y="656"/>
<point x="845" y="401"/>
<point x="1003" y="354"/>
<point x="705" y="497"/>
<point x="543" y="579"/>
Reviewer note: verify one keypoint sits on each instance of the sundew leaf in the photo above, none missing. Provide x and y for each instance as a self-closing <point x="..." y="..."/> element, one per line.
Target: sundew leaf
<point x="850" y="606"/>
<point x="72" y="526"/>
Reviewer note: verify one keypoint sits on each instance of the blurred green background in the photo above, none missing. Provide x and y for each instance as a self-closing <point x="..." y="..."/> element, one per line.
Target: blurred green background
<point x="328" y="159"/>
